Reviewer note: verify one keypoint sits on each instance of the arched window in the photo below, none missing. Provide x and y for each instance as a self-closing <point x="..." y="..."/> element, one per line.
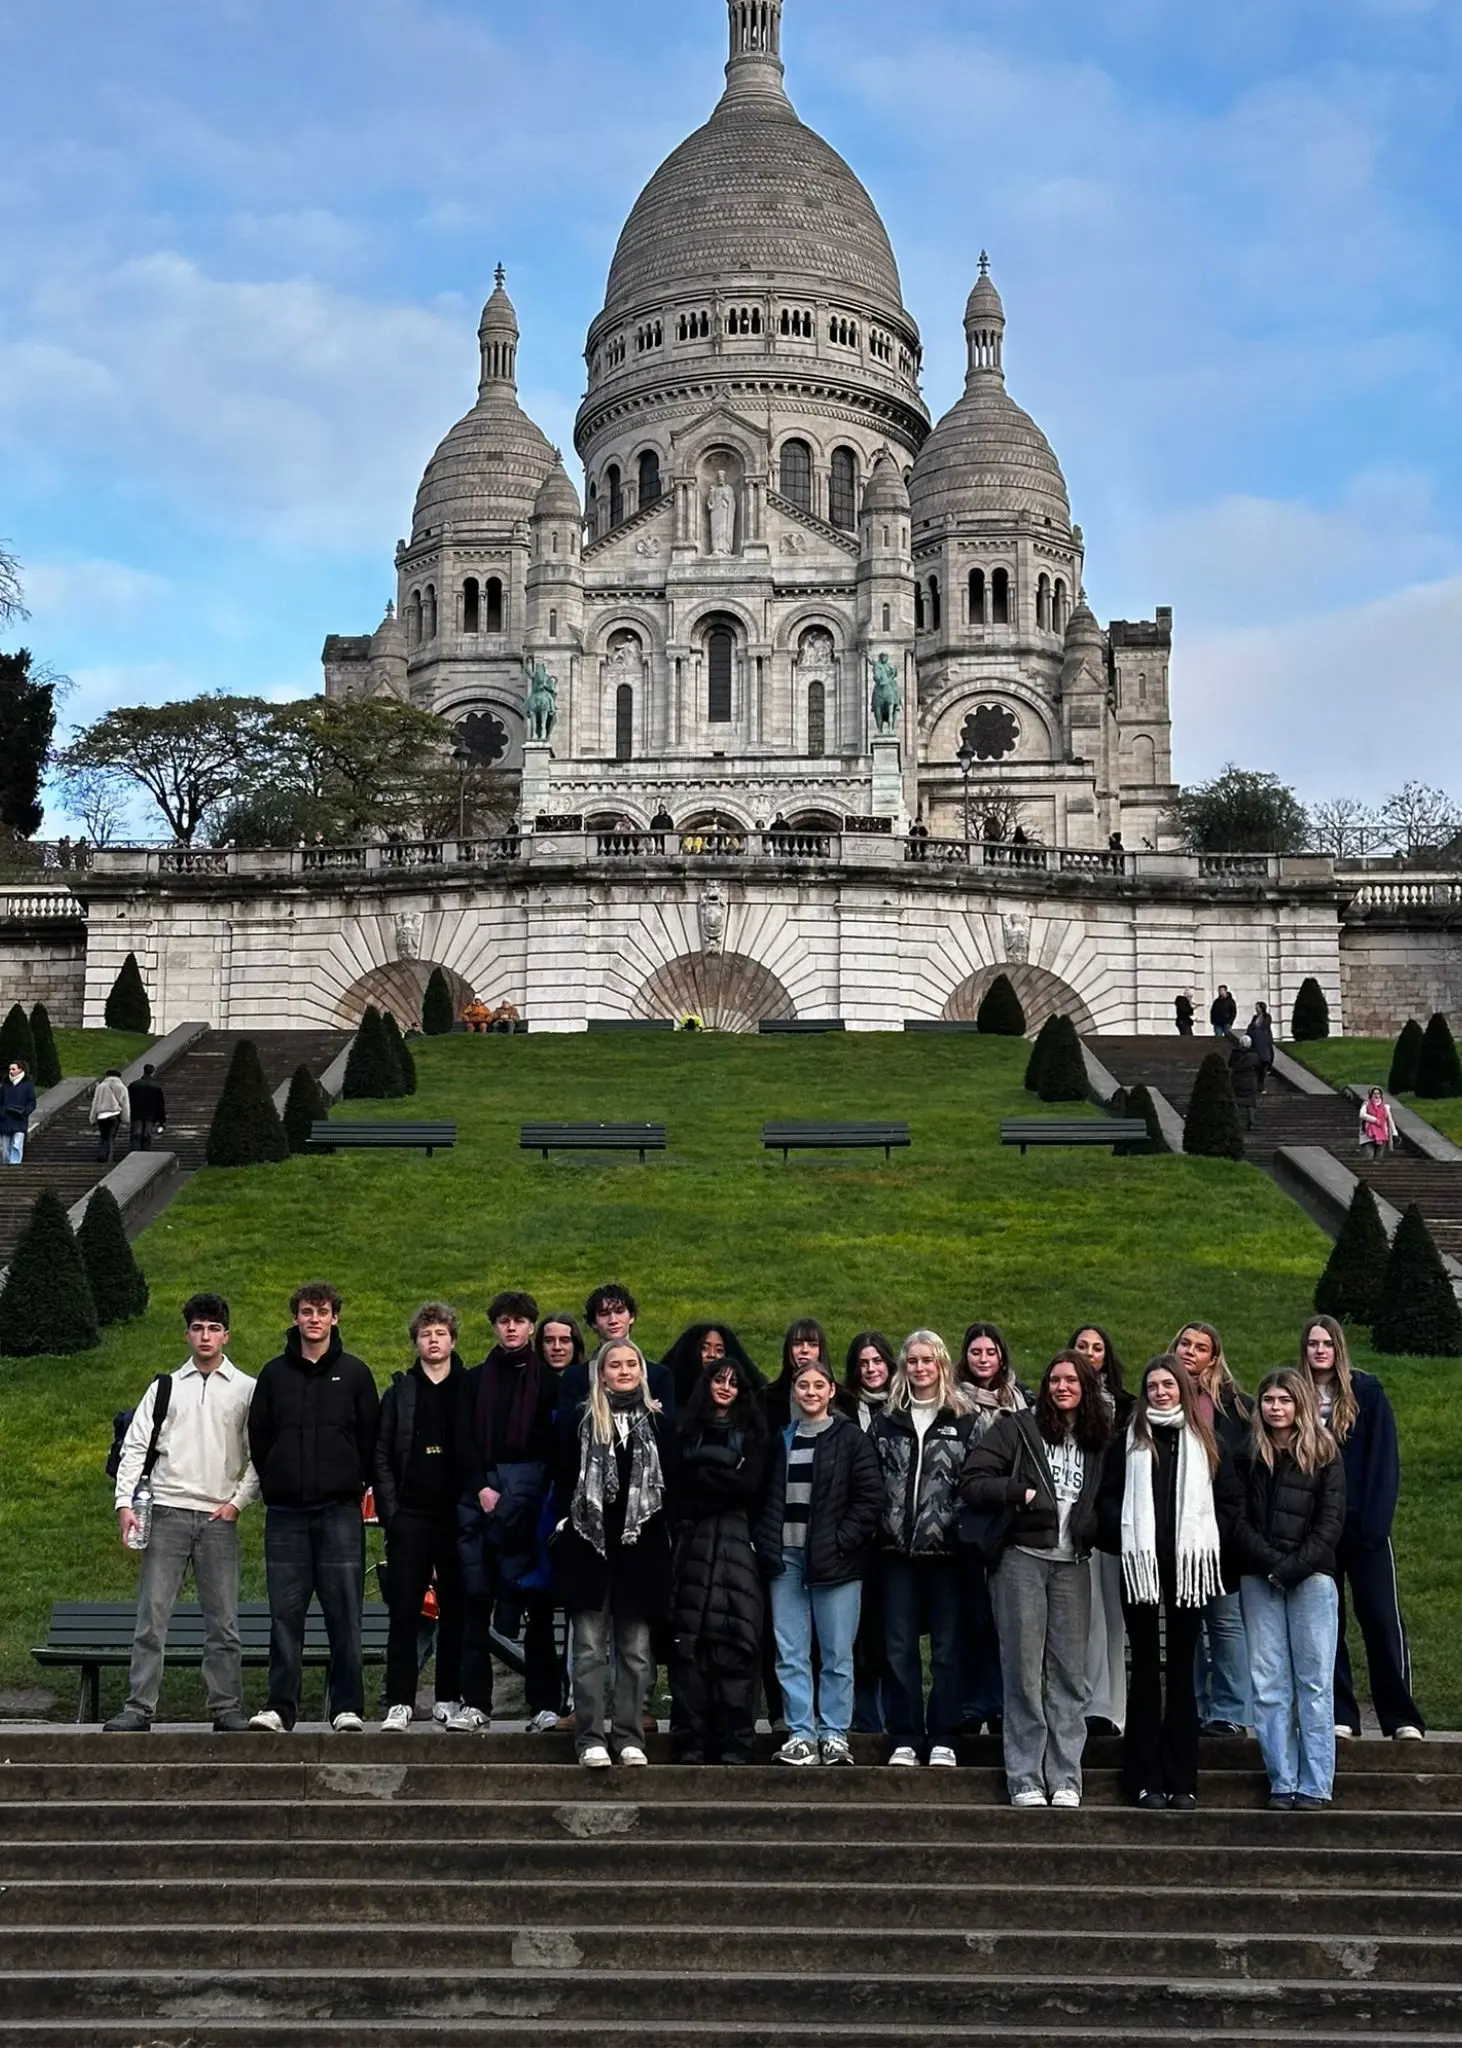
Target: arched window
<point x="471" y="606"/>
<point x="918" y="608"/>
<point x="1000" y="598"/>
<point x="720" y="664"/>
<point x="936" y="608"/>
<point x="977" y="597"/>
<point x="624" y="722"/>
<point x="1144" y="760"/>
<point x="492" y="609"/>
<point x="842" y="500"/>
<point x="797" y="474"/>
<point x="1043" y="604"/>
<point x="816" y="720"/>
<point x="614" y="487"/>
<point x="1058" y="607"/>
<point x="649" y="478"/>
<point x="429" y="612"/>
<point x="413" y="619"/>
<point x="553" y="625"/>
<point x="888" y="618"/>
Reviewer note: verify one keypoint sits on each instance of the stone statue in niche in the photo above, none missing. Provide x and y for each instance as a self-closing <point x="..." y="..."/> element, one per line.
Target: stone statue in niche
<point x="721" y="503"/>
<point x="408" y="934"/>
<point x="815" y="657"/>
<point x="887" y="701"/>
<point x="712" y="912"/>
<point x="624" y="660"/>
<point x="540" y="707"/>
<point x="1017" y="938"/>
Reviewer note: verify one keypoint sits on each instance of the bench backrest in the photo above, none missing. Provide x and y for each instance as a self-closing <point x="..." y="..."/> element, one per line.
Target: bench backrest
<point x="77" y="1625"/>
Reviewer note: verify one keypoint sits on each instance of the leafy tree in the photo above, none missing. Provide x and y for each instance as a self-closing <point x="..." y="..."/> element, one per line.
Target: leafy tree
<point x="1311" y="1017"/>
<point x="118" y="1286"/>
<point x="27" y="723"/>
<point x="1345" y="828"/>
<point x="1140" y="1103"/>
<point x="46" y="1306"/>
<point x="246" y="1130"/>
<point x="127" y="1006"/>
<point x="48" y="1058"/>
<point x="1438" y="1071"/>
<point x="371" y="1072"/>
<point x="1240" y="812"/>
<point x="400" y="1053"/>
<point x="188" y="756"/>
<point x="1000" y="1014"/>
<point x="1419" y="821"/>
<point x="362" y="761"/>
<point x="438" y="1011"/>
<point x="1212" y="1128"/>
<point x="1035" y="1065"/>
<point x="276" y="816"/>
<point x="17" y="1041"/>
<point x="1063" y="1076"/>
<point x="1417" y="1314"/>
<point x="1350" y="1286"/>
<point x="1406" y="1060"/>
<point x="305" y="1106"/>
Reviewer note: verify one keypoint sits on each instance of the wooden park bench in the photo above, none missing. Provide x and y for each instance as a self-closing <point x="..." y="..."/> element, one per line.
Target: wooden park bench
<point x="788" y="1138"/>
<point x="606" y="1026"/>
<point x="798" y="1027"/>
<point x="546" y="1138"/>
<point x="1110" y="1132"/>
<point x="392" y="1137"/>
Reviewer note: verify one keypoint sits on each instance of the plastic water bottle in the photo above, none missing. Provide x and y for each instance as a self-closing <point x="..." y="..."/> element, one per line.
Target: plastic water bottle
<point x="140" y="1534"/>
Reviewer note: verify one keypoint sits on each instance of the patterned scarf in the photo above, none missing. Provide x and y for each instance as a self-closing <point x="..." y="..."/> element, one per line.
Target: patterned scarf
<point x="598" y="1485"/>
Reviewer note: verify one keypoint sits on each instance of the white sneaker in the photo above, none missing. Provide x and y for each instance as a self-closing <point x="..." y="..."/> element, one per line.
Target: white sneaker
<point x="1067" y="1796"/>
<point x="943" y="1758"/>
<point x="397" y="1721"/>
<point x="468" y="1721"/>
<point x="595" y="1758"/>
<point x="904" y="1758"/>
<point x="1344" y="1734"/>
<point x="634" y="1756"/>
<point x="348" y="1724"/>
<point x="268" y="1722"/>
<point x="544" y="1723"/>
<point x="443" y="1711"/>
<point x="1027" y="1798"/>
<point x="1408" y="1734"/>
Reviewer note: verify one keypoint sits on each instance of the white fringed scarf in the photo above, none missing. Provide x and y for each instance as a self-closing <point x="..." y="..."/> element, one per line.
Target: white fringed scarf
<point x="1198" y="1579"/>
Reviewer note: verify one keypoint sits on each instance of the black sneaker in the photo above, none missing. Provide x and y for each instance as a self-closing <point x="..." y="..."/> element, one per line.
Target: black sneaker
<point x="231" y="1724"/>
<point x="128" y="1722"/>
<point x="1281" y="1802"/>
<point x="1222" y="1728"/>
<point x="1303" y="1803"/>
<point x="1183" y="1802"/>
<point x="1153" y="1802"/>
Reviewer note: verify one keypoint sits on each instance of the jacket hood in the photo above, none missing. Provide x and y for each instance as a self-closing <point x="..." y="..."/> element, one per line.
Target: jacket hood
<point x="295" y="1355"/>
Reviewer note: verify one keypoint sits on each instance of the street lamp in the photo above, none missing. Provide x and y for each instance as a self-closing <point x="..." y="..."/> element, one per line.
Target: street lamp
<point x="966" y="759"/>
<point x="462" y="761"/>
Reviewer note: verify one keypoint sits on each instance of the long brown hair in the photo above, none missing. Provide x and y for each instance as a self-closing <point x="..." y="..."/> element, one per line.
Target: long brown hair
<point x="1141" y="1428"/>
<point x="1345" y="1409"/>
<point x="1312" y="1445"/>
<point x="1216" y="1378"/>
<point x="1090" y="1427"/>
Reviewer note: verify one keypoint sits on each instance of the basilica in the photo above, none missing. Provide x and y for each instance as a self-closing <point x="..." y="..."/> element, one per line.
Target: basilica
<point x="784" y="594"/>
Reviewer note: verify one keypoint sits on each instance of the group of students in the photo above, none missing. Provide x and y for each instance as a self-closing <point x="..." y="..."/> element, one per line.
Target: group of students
<point x="797" y="1537"/>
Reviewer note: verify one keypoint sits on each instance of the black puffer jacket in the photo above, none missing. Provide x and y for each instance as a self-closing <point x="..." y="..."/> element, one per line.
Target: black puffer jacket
<point x="312" y="1426"/>
<point x="1004" y="1465"/>
<point x="396" y="1436"/>
<point x="718" y="1595"/>
<point x="1288" y="1523"/>
<point x="847" y="1498"/>
<point x="921" y="1527"/>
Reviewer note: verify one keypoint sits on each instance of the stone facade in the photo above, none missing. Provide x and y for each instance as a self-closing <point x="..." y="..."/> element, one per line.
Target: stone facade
<point x="43" y="952"/>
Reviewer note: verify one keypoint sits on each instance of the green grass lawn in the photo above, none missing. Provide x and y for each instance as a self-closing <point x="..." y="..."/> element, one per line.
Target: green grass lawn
<point x="954" y="1230"/>
<point x="92" y="1052"/>
<point x="1366" y="1063"/>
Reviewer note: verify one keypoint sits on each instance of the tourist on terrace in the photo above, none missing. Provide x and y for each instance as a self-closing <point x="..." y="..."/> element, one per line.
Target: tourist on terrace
<point x="867" y="1376"/>
<point x="1106" y="1649"/>
<point x="1355" y="1409"/>
<point x="718" y="1605"/>
<point x="988" y="1371"/>
<point x="109" y="1105"/>
<point x="701" y="1345"/>
<point x="416" y="1488"/>
<point x="1183" y="1007"/>
<point x="17" y="1107"/>
<point x="1223" y="1013"/>
<point x="922" y="1438"/>
<point x="814" y="1541"/>
<point x="1166" y="1483"/>
<point x="1378" y="1131"/>
<point x="1223" y="1650"/>
<point x="1289" y="1519"/>
<point x="1042" y="1469"/>
<point x="612" y="1550"/>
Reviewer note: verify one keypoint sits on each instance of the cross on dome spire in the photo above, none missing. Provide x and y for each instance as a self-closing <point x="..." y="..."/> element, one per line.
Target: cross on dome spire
<point x="500" y="277"/>
<point x="498" y="338"/>
<point x="985" y="326"/>
<point x="755" y="66"/>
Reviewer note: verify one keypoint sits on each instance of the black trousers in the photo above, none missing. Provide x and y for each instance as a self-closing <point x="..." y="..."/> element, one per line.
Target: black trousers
<point x="1370" y="1576"/>
<point x="713" y="1690"/>
<point x="546" y="1684"/>
<point x="418" y="1545"/>
<point x="1160" y="1744"/>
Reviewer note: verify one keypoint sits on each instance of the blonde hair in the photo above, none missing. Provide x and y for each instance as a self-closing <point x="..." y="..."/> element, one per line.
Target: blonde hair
<point x="951" y="1393"/>
<point x="1216" y="1378"/>
<point x="1312" y="1445"/>
<point x="1345" y="1409"/>
<point x="598" y="1414"/>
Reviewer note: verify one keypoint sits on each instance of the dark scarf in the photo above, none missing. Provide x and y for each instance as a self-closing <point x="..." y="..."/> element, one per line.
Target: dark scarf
<point x="528" y="1396"/>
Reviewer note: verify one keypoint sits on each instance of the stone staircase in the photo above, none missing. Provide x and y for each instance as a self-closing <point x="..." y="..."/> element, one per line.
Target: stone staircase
<point x="327" y="1892"/>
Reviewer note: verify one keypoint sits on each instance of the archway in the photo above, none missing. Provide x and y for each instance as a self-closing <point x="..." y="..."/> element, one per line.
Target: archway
<point x="399" y="987"/>
<point x="727" y="991"/>
<point x="1042" y="995"/>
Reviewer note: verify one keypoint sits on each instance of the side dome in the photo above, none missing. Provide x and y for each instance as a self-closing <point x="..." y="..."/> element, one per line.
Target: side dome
<point x="887" y="491"/>
<point x="987" y="456"/>
<point x="557" y="498"/>
<point x="491" y="466"/>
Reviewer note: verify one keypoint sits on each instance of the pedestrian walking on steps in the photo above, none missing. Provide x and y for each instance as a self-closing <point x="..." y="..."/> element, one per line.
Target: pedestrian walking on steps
<point x="146" y="1110"/>
<point x="1261" y="1037"/>
<point x="109" y="1105"/>
<point x="1378" y="1131"/>
<point x="17" y="1107"/>
<point x="1246" y="1077"/>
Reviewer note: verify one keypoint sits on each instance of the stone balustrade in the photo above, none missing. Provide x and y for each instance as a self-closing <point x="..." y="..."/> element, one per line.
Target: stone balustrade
<point x="1405" y="892"/>
<point x="30" y="906"/>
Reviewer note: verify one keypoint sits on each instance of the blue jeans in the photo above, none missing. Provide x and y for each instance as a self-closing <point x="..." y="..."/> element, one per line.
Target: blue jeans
<point x="12" y="1148"/>
<point x="1223" y="1664"/>
<point x="320" y="1553"/>
<point x="798" y="1609"/>
<point x="913" y="1587"/>
<point x="1292" y="1638"/>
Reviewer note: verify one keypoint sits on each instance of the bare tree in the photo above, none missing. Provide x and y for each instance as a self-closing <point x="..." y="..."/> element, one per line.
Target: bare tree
<point x="1345" y="828"/>
<point x="1419" y="820"/>
<point x="99" y="800"/>
<point x="11" y="606"/>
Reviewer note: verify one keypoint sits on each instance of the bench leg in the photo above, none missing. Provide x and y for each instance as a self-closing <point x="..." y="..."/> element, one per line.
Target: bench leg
<point x="89" y="1694"/>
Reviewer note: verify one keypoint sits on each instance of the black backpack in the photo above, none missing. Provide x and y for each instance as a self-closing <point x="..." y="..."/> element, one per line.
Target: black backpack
<point x="122" y="1422"/>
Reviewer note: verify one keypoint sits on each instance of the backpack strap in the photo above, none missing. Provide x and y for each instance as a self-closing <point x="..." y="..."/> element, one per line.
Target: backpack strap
<point x="163" y="1392"/>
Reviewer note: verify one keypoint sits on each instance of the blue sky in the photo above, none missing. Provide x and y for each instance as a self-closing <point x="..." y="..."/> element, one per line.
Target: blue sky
<point x="247" y="242"/>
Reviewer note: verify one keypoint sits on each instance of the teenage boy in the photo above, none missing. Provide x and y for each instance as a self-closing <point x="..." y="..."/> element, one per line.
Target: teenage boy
<point x="610" y="1312"/>
<point x="201" y="1483"/>
<point x="312" y="1432"/>
<point x="416" y="1504"/>
<point x="505" y="1448"/>
<point x="17" y="1107"/>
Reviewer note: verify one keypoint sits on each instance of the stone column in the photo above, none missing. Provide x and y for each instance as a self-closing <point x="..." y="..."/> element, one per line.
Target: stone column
<point x="535" y="792"/>
<point x="888" y="783"/>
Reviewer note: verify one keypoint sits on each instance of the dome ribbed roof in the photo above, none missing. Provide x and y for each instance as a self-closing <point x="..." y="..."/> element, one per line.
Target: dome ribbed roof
<point x="557" y="499"/>
<point x="491" y="466"/>
<point x="887" y="491"/>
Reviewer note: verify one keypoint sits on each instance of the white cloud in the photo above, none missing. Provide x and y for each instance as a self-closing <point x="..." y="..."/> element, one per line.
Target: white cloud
<point x="99" y="594"/>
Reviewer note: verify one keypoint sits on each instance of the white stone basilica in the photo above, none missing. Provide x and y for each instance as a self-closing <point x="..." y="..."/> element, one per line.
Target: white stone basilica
<point x="769" y="518"/>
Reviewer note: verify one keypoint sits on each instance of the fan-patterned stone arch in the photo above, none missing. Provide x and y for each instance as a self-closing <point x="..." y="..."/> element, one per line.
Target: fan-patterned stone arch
<point x="400" y="987"/>
<point x="1042" y="995"/>
<point x="727" y="991"/>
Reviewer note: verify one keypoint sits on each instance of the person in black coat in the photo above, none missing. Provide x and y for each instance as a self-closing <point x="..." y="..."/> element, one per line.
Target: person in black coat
<point x="1261" y="1037"/>
<point x="146" y="1109"/>
<point x="1289" y="1517"/>
<point x="17" y="1107"/>
<point x="312" y="1439"/>
<point x="1106" y="1649"/>
<point x="718" y="1605"/>
<point x="611" y="1313"/>
<point x="806" y="1343"/>
<point x="702" y="1345"/>
<point x="1223" y="1012"/>
<point x="1245" y="1077"/>
<point x="1184" y="1013"/>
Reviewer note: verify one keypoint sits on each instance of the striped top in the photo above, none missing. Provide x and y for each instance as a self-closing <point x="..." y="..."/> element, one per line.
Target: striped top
<point x="798" y="1509"/>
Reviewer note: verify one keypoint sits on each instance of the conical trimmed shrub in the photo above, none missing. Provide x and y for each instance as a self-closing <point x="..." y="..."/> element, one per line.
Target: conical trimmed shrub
<point x="305" y="1106"/>
<point x="1417" y="1315"/>
<point x="371" y="1072"/>
<point x="438" y="1012"/>
<point x="400" y="1054"/>
<point x="1406" y="1059"/>
<point x="1212" y="1128"/>
<point x="1035" y="1065"/>
<point x="1063" y="1073"/>
<point x="1311" y="1017"/>
<point x="246" y="1130"/>
<point x="1350" y="1286"/>
<point x="127" y="1006"/>
<point x="46" y="1305"/>
<point x="1140" y="1103"/>
<point x="17" y="1041"/>
<point x="1000" y="1014"/>
<point x="1438" y="1071"/>
<point x="117" y="1284"/>
<point x="48" y="1056"/>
